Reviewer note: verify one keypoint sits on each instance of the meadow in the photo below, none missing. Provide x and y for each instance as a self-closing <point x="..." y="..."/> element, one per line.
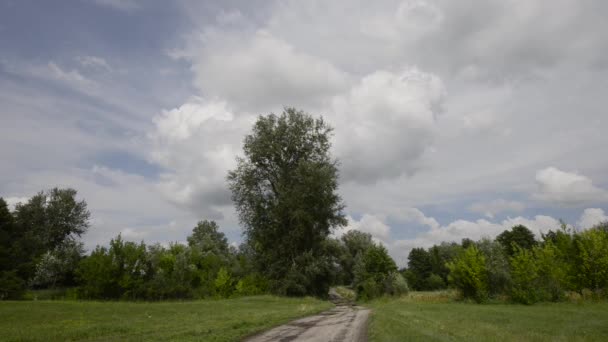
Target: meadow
<point x="437" y="317"/>
<point x="205" y="320"/>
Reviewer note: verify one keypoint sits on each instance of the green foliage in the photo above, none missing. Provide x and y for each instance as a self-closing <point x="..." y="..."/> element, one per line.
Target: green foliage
<point x="435" y="282"/>
<point x="525" y="277"/>
<point x="592" y="259"/>
<point x="375" y="274"/>
<point x="468" y="274"/>
<point x="419" y="267"/>
<point x="285" y="192"/>
<point x="207" y="238"/>
<point x="58" y="266"/>
<point x="11" y="285"/>
<point x="518" y="236"/>
<point x="118" y="272"/>
<point x="224" y="284"/>
<point x="251" y="285"/>
<point x="497" y="265"/>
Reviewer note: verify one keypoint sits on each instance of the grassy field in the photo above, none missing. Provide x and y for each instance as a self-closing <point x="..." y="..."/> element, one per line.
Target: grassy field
<point x="209" y="320"/>
<point x="431" y="317"/>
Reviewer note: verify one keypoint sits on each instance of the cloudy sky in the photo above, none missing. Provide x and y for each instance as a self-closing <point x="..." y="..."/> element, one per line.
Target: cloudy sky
<point x="452" y="119"/>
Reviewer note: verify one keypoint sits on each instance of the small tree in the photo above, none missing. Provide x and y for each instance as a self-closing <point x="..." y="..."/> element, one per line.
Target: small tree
<point x="518" y="236"/>
<point x="468" y="273"/>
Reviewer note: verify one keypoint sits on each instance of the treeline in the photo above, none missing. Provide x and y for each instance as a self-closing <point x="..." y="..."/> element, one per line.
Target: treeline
<point x="516" y="266"/>
<point x="41" y="249"/>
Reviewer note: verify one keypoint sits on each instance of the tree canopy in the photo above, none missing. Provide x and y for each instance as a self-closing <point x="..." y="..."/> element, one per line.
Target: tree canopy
<point x="285" y="192"/>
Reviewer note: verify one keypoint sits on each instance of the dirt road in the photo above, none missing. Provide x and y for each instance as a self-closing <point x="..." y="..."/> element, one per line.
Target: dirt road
<point x="344" y="323"/>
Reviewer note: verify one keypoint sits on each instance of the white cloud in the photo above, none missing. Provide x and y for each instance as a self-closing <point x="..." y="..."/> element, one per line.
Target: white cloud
<point x="493" y="207"/>
<point x="591" y="217"/>
<point x="13" y="201"/>
<point x="260" y="72"/>
<point x="385" y="123"/>
<point x="197" y="144"/>
<point x="567" y="188"/>
<point x="367" y="224"/>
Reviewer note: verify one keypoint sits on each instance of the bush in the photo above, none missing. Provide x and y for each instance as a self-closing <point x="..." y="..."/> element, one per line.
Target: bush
<point x="525" y="277"/>
<point x="251" y="285"/>
<point x="11" y="286"/>
<point x="468" y="274"/>
<point x="395" y="285"/>
<point x="434" y="282"/>
<point x="224" y="283"/>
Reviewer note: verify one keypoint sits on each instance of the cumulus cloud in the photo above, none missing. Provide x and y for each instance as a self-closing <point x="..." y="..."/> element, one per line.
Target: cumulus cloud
<point x="197" y="144"/>
<point x="567" y="188"/>
<point x="591" y="217"/>
<point x="385" y="123"/>
<point x="493" y="207"/>
<point x="257" y="71"/>
<point x="371" y="224"/>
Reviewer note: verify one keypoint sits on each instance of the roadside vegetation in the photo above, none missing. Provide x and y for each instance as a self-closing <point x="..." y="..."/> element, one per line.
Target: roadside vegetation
<point x="206" y="320"/>
<point x="517" y="267"/>
<point x="438" y="316"/>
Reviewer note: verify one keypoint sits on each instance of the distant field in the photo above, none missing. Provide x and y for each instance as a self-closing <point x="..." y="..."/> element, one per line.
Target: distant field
<point x="422" y="317"/>
<point x="208" y="320"/>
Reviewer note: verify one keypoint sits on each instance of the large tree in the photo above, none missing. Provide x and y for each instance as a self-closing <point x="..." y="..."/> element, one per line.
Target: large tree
<point x="285" y="192"/>
<point x="45" y="222"/>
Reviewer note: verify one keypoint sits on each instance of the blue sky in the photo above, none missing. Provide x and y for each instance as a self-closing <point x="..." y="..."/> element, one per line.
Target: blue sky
<point x="452" y="119"/>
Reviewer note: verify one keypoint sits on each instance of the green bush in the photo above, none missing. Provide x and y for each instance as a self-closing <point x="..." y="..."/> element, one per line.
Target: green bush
<point x="434" y="282"/>
<point x="468" y="274"/>
<point x="395" y="285"/>
<point x="11" y="286"/>
<point x="251" y="285"/>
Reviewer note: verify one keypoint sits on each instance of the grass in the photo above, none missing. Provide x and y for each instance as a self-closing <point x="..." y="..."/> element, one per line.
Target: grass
<point x="207" y="320"/>
<point x="437" y="317"/>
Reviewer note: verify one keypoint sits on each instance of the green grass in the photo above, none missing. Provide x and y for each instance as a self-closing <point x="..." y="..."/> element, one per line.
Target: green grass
<point x="206" y="320"/>
<point x="425" y="317"/>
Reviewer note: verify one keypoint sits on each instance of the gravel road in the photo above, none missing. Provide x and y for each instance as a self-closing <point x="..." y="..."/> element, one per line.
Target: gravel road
<point x="344" y="323"/>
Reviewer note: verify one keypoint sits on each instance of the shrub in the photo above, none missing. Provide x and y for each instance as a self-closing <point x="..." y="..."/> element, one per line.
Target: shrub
<point x="468" y="274"/>
<point x="251" y="285"/>
<point x="435" y="282"/>
<point x="11" y="286"/>
<point x="224" y="283"/>
<point x="395" y="285"/>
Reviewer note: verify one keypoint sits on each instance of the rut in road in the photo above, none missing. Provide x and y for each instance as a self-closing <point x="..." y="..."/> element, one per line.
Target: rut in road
<point x="344" y="323"/>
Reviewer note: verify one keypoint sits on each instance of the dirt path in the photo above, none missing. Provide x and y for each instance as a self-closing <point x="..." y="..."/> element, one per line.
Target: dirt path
<point x="344" y="323"/>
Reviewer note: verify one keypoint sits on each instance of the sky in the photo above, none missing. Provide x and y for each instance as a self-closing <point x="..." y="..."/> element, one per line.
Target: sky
<point x="451" y="119"/>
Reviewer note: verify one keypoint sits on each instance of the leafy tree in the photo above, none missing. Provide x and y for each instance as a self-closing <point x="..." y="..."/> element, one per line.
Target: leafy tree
<point x="419" y="268"/>
<point x="518" y="236"/>
<point x="7" y="233"/>
<point x="355" y="243"/>
<point x="591" y="261"/>
<point x="207" y="238"/>
<point x="468" y="273"/>
<point x="44" y="223"/>
<point x="285" y="194"/>
<point x="525" y="277"/>
<point x="497" y="264"/>
<point x="58" y="267"/>
<point x="224" y="283"/>
<point x="375" y="273"/>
